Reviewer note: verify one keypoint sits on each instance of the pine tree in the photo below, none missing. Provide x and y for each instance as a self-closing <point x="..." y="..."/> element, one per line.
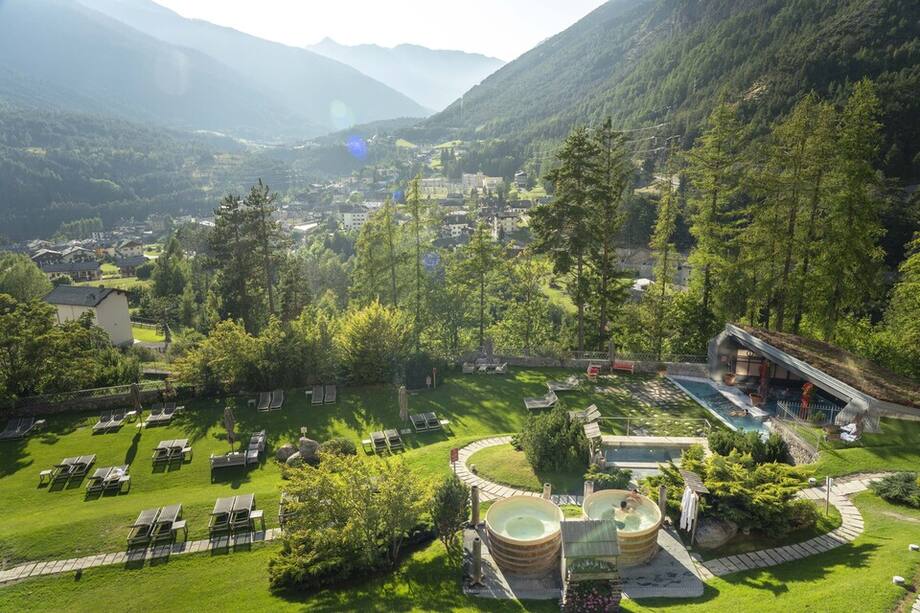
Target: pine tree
<point x="665" y="251"/>
<point x="479" y="262"/>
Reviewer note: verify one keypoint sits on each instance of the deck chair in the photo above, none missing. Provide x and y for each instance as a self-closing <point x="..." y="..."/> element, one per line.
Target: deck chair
<point x="433" y="422"/>
<point x="567" y="385"/>
<point x="11" y="430"/>
<point x="220" y="516"/>
<point x="163" y="526"/>
<point x="156" y="414"/>
<point x="105" y="420"/>
<point x="82" y="465"/>
<point x="264" y="401"/>
<point x="394" y="441"/>
<point x="469" y="368"/>
<point x="161" y="452"/>
<point x="544" y="402"/>
<point x="118" y="420"/>
<point x="502" y="369"/>
<point x="62" y="470"/>
<point x="419" y="423"/>
<point x="329" y="393"/>
<point x="117" y="478"/>
<point x="592" y="431"/>
<point x="240" y="512"/>
<point x="379" y="442"/>
<point x="96" y="481"/>
<point x="591" y="414"/>
<point x="317" y="395"/>
<point x="178" y="449"/>
<point x="142" y="527"/>
<point x="277" y="400"/>
<point x="168" y="411"/>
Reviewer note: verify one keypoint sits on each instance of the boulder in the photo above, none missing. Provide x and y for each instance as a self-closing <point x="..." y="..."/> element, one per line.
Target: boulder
<point x="285" y="451"/>
<point x="713" y="533"/>
<point x="294" y="460"/>
<point x="308" y="449"/>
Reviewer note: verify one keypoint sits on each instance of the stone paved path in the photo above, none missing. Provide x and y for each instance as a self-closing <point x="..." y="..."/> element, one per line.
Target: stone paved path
<point x="916" y="607"/>
<point x="136" y="556"/>
<point x="851" y="527"/>
<point x="493" y="491"/>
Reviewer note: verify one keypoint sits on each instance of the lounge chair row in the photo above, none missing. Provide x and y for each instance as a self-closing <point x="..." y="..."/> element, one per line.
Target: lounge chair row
<point x="172" y="450"/>
<point x="489" y="368"/>
<point x="20" y="427"/>
<point x="234" y="514"/>
<point x="270" y="401"/>
<point x="323" y="394"/>
<point x="383" y="441"/>
<point x="251" y="455"/>
<point x="567" y="385"/>
<point x="589" y="415"/>
<point x="109" y="479"/>
<point x="68" y="468"/>
<point x="110" y="421"/>
<point x="425" y="422"/>
<point x="544" y="402"/>
<point x="154" y="526"/>
<point x="161" y="414"/>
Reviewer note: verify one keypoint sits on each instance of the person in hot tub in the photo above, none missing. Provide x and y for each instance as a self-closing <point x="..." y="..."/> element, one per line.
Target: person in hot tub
<point x="626" y="517"/>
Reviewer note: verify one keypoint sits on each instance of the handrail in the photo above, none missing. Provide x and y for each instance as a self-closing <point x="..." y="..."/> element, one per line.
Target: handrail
<point x="632" y="420"/>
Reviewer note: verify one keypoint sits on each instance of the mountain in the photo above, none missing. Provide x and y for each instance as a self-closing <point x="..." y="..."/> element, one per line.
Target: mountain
<point x="434" y="78"/>
<point x="651" y="62"/>
<point x="324" y="91"/>
<point x="58" y="54"/>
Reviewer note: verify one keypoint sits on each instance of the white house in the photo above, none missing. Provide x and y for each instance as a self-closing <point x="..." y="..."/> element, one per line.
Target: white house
<point x="129" y="249"/>
<point x="108" y="306"/>
<point x="456" y="224"/>
<point x="354" y="219"/>
<point x="504" y="224"/>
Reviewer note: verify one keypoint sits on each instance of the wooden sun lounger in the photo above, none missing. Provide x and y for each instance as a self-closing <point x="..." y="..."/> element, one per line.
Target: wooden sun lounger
<point x="544" y="402"/>
<point x="432" y="420"/>
<point x="589" y="415"/>
<point x="379" y="442"/>
<point x="163" y="527"/>
<point x="317" y="395"/>
<point x="592" y="430"/>
<point x="394" y="441"/>
<point x="142" y="527"/>
<point x="265" y="400"/>
<point x="329" y="393"/>
<point x="566" y="385"/>
<point x="419" y="423"/>
<point x="277" y="400"/>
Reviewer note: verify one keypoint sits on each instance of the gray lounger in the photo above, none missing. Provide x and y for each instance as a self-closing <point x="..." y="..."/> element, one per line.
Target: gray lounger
<point x="265" y="400"/>
<point x="544" y="402"/>
<point x="277" y="400"/>
<point x="379" y="441"/>
<point x="329" y="394"/>
<point x="433" y="422"/>
<point x="163" y="526"/>
<point x="419" y="423"/>
<point x="394" y="441"/>
<point x="142" y="527"/>
<point x="317" y="395"/>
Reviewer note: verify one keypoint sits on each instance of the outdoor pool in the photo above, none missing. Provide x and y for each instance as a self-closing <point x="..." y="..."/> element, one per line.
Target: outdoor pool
<point x="629" y="454"/>
<point x="712" y="399"/>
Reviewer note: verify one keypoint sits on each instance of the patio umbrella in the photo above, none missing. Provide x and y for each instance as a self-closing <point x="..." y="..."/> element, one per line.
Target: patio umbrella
<point x="764" y="379"/>
<point x="136" y="396"/>
<point x="230" y="424"/>
<point x="403" y="403"/>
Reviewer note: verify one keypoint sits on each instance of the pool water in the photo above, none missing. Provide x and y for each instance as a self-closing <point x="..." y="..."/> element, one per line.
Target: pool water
<point x="524" y="520"/>
<point x="640" y="514"/>
<point x="628" y="453"/>
<point x="712" y="399"/>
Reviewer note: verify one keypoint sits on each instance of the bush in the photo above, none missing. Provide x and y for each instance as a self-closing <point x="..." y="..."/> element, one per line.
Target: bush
<point x="450" y="508"/>
<point x="609" y="479"/>
<point x="339" y="446"/>
<point x="552" y="441"/>
<point x="774" y="449"/>
<point x="144" y="271"/>
<point x="899" y="488"/>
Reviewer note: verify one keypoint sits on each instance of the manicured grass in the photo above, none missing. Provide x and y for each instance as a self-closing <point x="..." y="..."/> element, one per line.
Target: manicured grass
<point x="896" y="447"/>
<point x="108" y="270"/>
<point x="854" y="577"/>
<point x="146" y="335"/>
<point x="118" y="282"/>
<point x="503" y="464"/>
<point x="758" y="540"/>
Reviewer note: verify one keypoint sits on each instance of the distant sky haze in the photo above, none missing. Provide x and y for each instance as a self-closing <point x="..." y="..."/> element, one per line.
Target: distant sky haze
<point x="501" y="28"/>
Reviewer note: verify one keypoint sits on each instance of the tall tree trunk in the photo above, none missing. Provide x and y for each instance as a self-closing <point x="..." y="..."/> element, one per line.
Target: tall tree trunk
<point x="806" y="258"/>
<point x="581" y="306"/>
<point x="790" y="244"/>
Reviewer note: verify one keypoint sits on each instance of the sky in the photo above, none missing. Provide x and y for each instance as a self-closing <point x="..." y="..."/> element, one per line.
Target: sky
<point x="501" y="28"/>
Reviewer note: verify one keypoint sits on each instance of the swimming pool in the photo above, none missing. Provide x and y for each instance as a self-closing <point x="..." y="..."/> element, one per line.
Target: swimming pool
<point x="628" y="454"/>
<point x="712" y="399"/>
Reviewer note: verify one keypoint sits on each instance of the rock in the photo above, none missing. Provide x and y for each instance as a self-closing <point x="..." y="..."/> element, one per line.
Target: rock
<point x="713" y="533"/>
<point x="294" y="460"/>
<point x="308" y="449"/>
<point x="285" y="451"/>
<point x="898" y="580"/>
<point x="913" y="547"/>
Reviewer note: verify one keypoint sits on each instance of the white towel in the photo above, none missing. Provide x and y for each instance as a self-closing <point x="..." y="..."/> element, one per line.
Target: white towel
<point x="692" y="510"/>
<point x="685" y="508"/>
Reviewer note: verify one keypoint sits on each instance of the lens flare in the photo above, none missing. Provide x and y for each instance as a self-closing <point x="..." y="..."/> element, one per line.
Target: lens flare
<point x="357" y="147"/>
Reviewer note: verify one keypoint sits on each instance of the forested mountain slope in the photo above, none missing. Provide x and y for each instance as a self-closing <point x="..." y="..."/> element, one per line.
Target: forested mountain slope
<point x="646" y="62"/>
<point x="327" y="93"/>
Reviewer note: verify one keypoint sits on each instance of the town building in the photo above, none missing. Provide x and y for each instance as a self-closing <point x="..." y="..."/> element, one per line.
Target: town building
<point x="504" y="224"/>
<point x="456" y="224"/>
<point x="128" y="266"/>
<point x="108" y="306"/>
<point x="129" y="248"/>
<point x="354" y="218"/>
<point x="521" y="179"/>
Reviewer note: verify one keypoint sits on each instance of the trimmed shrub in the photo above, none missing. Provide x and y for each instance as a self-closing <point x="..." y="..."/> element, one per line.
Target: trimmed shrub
<point x="339" y="446"/>
<point x="612" y="478"/>
<point x="774" y="449"/>
<point x="899" y="488"/>
<point x="552" y="441"/>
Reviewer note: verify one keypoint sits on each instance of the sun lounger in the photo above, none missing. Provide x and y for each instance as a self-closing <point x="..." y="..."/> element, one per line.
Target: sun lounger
<point x="543" y="402"/>
<point x="220" y="515"/>
<point x="329" y="394"/>
<point x="502" y="369"/>
<point x="256" y="447"/>
<point x="379" y="442"/>
<point x="419" y="423"/>
<point x="240" y="512"/>
<point x="277" y="400"/>
<point x="96" y="481"/>
<point x="265" y="400"/>
<point x="12" y="428"/>
<point x="161" y="452"/>
<point x="163" y="526"/>
<point x="235" y="458"/>
<point x="178" y="449"/>
<point x="592" y="431"/>
<point x="169" y="410"/>
<point x="591" y="414"/>
<point x="394" y="441"/>
<point x="19" y="427"/>
<point x="567" y="385"/>
<point x="432" y="420"/>
<point x="81" y="466"/>
<point x="117" y="478"/>
<point x="469" y="368"/>
<point x="118" y="420"/>
<point x="143" y="527"/>
<point x="105" y="420"/>
<point x="317" y="395"/>
<point x="61" y="471"/>
<point x="156" y="414"/>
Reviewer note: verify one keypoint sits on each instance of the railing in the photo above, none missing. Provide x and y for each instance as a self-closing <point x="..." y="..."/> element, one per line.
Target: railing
<point x="662" y="426"/>
<point x="605" y="356"/>
<point x="816" y="413"/>
<point x="686" y="358"/>
<point x="87" y="394"/>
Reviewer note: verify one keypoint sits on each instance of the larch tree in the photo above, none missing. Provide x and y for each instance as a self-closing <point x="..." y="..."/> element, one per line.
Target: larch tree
<point x="480" y="259"/>
<point x="662" y="244"/>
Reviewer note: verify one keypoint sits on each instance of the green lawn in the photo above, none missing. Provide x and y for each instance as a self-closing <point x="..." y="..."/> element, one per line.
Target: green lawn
<point x="147" y="335"/>
<point x="896" y="447"/>
<point x="108" y="269"/>
<point x="503" y="464"/>
<point x="118" y="282"/>
<point x="854" y="577"/>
